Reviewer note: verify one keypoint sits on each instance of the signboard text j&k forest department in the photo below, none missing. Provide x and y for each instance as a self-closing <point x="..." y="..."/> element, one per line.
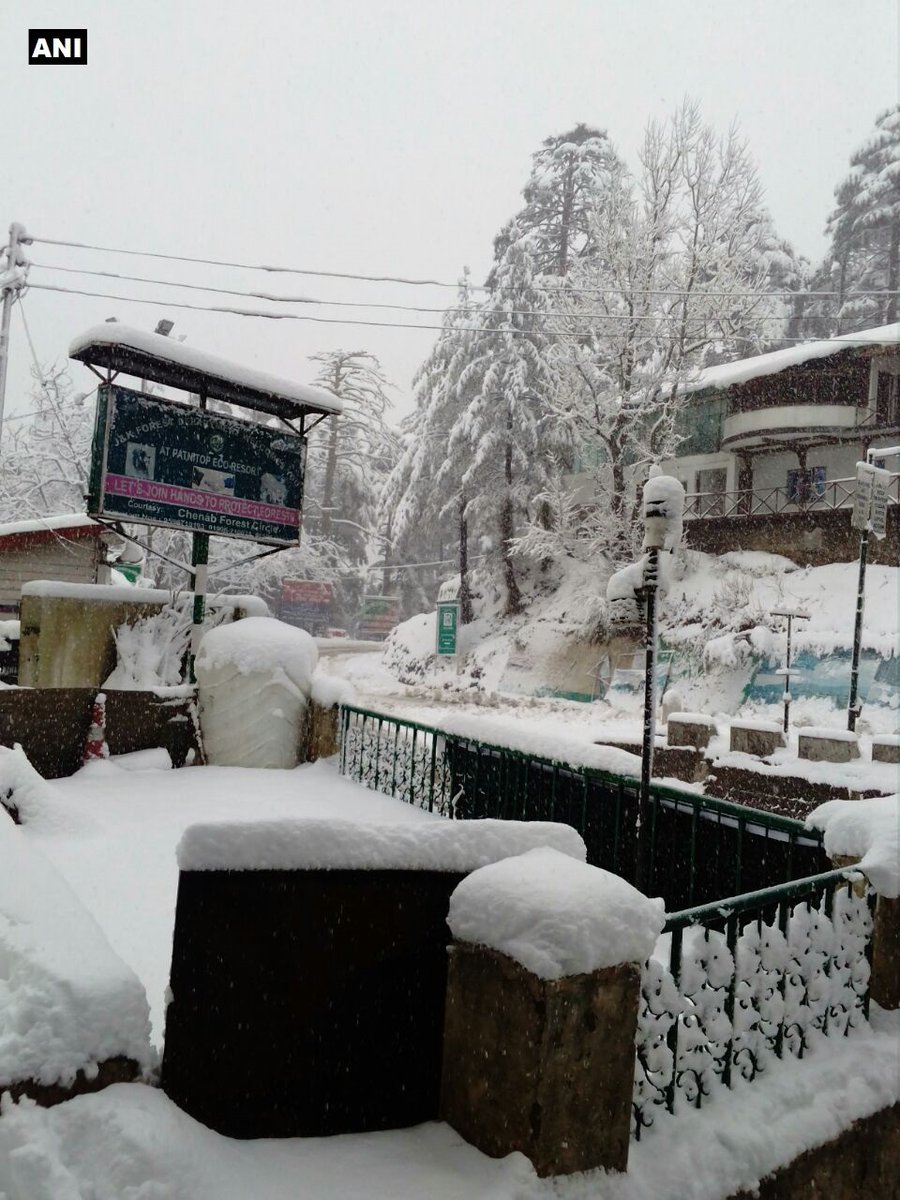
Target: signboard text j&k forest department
<point x="156" y="462"/>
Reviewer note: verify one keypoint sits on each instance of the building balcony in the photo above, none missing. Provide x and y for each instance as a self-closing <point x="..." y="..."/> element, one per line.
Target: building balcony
<point x="769" y="502"/>
<point x="761" y="426"/>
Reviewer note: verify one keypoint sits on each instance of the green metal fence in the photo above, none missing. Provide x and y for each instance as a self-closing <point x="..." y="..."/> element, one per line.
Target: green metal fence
<point x="700" y="849"/>
<point x="736" y="985"/>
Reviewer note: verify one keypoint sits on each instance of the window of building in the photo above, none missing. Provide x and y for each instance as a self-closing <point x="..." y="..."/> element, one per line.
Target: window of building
<point x="803" y="486"/>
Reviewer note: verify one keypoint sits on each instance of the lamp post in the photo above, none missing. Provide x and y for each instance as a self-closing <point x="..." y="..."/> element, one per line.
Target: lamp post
<point x="792" y="615"/>
<point x="663" y="507"/>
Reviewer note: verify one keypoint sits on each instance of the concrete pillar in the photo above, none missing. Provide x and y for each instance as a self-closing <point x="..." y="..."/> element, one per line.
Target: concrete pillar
<point x="542" y="1066"/>
<point x="322" y="731"/>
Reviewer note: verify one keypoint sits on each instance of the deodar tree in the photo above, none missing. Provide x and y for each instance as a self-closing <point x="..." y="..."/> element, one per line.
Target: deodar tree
<point x="679" y="278"/>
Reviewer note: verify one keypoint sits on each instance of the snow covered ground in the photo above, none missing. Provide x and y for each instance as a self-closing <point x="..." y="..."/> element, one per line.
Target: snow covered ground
<point x="112" y="830"/>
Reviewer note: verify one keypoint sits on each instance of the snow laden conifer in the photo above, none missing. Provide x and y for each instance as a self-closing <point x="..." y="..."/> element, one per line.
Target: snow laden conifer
<point x="423" y="502"/>
<point x="864" y="228"/>
<point x="503" y="440"/>
<point x="680" y="278"/>
<point x="570" y="176"/>
<point x="350" y="456"/>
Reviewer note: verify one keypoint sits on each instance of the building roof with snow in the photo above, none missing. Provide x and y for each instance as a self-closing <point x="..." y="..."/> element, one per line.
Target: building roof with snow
<point x="14" y="534"/>
<point x="726" y="375"/>
<point x="159" y="359"/>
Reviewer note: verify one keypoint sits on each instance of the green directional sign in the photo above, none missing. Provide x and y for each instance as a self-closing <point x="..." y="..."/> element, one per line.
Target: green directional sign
<point x="159" y="462"/>
<point x="447" y="626"/>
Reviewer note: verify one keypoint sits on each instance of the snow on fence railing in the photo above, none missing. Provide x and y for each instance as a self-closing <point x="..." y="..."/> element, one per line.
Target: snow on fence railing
<point x="746" y="981"/>
<point x="399" y="758"/>
<point x="701" y="848"/>
<point x="765" y="502"/>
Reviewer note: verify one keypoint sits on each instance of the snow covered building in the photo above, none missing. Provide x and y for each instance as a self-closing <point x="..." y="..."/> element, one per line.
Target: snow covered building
<point x="770" y="445"/>
<point x="70" y="548"/>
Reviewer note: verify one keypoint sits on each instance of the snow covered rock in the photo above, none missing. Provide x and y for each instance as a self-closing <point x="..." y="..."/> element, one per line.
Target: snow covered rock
<point x="254" y="678"/>
<point x="554" y="915"/>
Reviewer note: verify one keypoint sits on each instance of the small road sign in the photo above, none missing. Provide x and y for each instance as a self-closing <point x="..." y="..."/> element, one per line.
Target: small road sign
<point x="447" y="625"/>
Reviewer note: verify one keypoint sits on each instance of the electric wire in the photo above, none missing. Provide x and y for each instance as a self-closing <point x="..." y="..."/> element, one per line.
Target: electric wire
<point x="289" y="316"/>
<point x="407" y="282"/>
<point x="628" y="318"/>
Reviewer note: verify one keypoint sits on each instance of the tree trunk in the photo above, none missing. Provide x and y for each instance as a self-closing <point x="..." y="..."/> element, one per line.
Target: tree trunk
<point x="507" y="532"/>
<point x="330" y="474"/>
<point x="465" y="594"/>
<point x="893" y="282"/>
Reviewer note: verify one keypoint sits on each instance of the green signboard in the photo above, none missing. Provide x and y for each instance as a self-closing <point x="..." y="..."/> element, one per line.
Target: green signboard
<point x="157" y="462"/>
<point x="447" y="625"/>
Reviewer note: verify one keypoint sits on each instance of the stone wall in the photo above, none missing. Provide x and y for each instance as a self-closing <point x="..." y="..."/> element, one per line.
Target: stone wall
<point x="862" y="1161"/>
<point x="811" y="538"/>
<point x="52" y="724"/>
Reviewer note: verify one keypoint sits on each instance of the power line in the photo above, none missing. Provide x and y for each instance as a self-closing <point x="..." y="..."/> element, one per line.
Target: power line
<point x="215" y="262"/>
<point x="287" y="316"/>
<point x="276" y="298"/>
<point x="243" y="266"/>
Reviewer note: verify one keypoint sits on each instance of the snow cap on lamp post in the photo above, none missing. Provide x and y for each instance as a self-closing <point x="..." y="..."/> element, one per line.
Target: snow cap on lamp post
<point x="662" y="509"/>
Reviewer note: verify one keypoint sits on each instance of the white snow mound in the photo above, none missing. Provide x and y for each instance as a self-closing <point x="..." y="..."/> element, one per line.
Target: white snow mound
<point x="67" y="1001"/>
<point x="554" y="915"/>
<point x="427" y="845"/>
<point x="260" y="644"/>
<point x="868" y="830"/>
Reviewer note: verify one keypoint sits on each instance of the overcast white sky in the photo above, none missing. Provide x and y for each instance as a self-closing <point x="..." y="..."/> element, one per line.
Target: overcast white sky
<point x="382" y="137"/>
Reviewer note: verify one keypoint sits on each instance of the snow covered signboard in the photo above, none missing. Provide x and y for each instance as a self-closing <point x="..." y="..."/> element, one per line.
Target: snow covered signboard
<point x="158" y="462"/>
<point x="870" y="501"/>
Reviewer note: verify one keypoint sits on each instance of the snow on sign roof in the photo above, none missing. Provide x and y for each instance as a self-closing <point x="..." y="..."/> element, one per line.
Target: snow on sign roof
<point x="161" y="360"/>
<point x="727" y="374"/>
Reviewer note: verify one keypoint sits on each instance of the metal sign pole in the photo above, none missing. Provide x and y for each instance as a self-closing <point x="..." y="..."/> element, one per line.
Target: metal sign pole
<point x="853" y="706"/>
<point x="199" y="562"/>
<point x="869" y="515"/>
<point x="642" y="865"/>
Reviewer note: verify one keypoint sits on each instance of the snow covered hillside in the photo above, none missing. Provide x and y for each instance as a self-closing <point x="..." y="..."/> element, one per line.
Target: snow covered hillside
<point x="721" y="642"/>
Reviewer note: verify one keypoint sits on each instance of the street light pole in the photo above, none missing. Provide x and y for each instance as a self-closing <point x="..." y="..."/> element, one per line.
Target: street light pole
<point x="648" y="591"/>
<point x="792" y="615"/>
<point x="663" y="509"/>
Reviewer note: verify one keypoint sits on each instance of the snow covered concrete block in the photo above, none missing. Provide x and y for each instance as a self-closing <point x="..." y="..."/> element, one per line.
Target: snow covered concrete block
<point x="827" y="745"/>
<point x="542" y="1000"/>
<point x="760" y="738"/>
<point x="689" y="729"/>
<point x="886" y="748"/>
<point x="309" y="968"/>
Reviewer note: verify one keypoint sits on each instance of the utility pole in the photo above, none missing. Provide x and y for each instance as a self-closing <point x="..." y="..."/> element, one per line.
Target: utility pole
<point x="12" y="277"/>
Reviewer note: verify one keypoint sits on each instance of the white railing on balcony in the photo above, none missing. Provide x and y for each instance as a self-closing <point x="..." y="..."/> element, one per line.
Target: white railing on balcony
<point x="765" y="502"/>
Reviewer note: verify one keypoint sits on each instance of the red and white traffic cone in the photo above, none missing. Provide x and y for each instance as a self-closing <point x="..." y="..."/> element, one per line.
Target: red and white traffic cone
<point x="95" y="746"/>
